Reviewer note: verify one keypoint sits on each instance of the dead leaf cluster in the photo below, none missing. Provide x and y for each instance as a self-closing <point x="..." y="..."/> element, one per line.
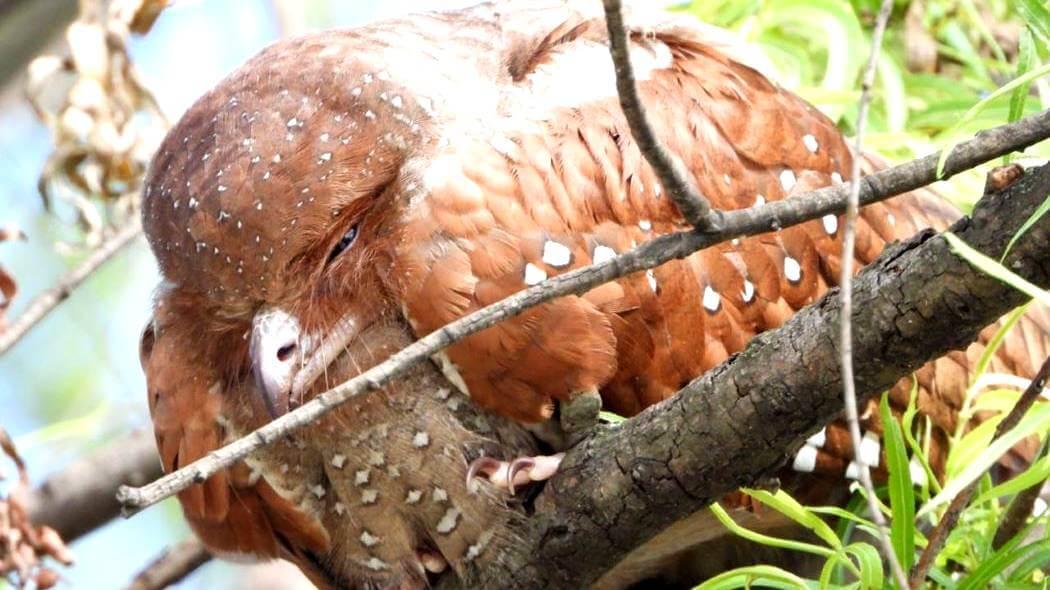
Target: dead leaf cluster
<point x="8" y="286"/>
<point x="25" y="547"/>
<point x="104" y="122"/>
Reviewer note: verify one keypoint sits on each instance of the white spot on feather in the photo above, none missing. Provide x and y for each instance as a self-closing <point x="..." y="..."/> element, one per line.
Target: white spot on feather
<point x="819" y="438"/>
<point x="805" y="460"/>
<point x="651" y="277"/>
<point x="712" y="300"/>
<point x="918" y="474"/>
<point x="556" y="254"/>
<point x="811" y="143"/>
<point x="792" y="269"/>
<point x="338" y="461"/>
<point x="534" y="275"/>
<point x="603" y="254"/>
<point x="421" y="439"/>
<point x="748" y="293"/>
<point x="831" y="224"/>
<point x="449" y="521"/>
<point x="787" y="180"/>
<point x="869" y="449"/>
<point x="361" y="477"/>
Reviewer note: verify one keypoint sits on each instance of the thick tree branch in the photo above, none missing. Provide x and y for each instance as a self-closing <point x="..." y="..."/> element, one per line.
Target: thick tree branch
<point x="916" y="302"/>
<point x="81" y="497"/>
<point x="988" y="145"/>
<point x="44" y="303"/>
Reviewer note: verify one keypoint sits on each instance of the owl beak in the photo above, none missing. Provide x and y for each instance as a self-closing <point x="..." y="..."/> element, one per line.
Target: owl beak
<point x="276" y="350"/>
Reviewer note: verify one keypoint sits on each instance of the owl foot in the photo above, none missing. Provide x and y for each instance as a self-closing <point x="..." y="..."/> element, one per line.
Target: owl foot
<point x="521" y="471"/>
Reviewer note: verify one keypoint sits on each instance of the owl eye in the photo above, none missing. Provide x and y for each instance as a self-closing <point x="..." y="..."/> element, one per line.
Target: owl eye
<point x="344" y="242"/>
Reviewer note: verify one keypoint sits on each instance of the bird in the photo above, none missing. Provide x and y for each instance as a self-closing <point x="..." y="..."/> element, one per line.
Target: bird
<point x="345" y="192"/>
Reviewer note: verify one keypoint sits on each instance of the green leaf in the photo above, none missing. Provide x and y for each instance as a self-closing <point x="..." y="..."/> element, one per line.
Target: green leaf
<point x="1025" y="62"/>
<point x="998" y="562"/>
<point x="983" y="104"/>
<point x="769" y="541"/>
<point x="610" y="417"/>
<point x="902" y="495"/>
<point x="789" y="507"/>
<point x="1032" y="219"/>
<point x="1037" y="473"/>
<point x="765" y="576"/>
<point x="1036" y="16"/>
<point x="1036" y="421"/>
<point x="994" y="269"/>
<point x="870" y="564"/>
<point x="997" y="339"/>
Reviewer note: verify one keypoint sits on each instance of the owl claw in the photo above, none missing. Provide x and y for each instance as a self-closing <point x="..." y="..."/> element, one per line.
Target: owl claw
<point x="519" y="472"/>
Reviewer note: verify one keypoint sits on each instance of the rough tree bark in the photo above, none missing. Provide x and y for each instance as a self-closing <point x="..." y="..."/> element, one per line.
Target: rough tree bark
<point x="623" y="486"/>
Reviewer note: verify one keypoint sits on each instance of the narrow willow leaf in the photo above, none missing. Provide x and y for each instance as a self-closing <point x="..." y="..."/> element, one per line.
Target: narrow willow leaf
<point x="728" y="522"/>
<point x="998" y="562"/>
<point x="1037" y="473"/>
<point x="983" y="104"/>
<point x="1036" y="16"/>
<point x="997" y="339"/>
<point x="902" y="495"/>
<point x="756" y="576"/>
<point x="1032" y="219"/>
<point x="789" y="507"/>
<point x="870" y="564"/>
<point x="1037" y="421"/>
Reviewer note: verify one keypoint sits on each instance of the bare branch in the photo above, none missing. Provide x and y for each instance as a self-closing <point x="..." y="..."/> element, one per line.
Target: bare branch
<point x="171" y="566"/>
<point x="849" y="237"/>
<point x="45" y="302"/>
<point x="987" y="146"/>
<point x="951" y="516"/>
<point x="693" y="206"/>
<point x="80" y="498"/>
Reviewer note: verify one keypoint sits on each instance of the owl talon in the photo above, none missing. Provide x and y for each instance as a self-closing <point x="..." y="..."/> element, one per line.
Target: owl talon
<point x="519" y="472"/>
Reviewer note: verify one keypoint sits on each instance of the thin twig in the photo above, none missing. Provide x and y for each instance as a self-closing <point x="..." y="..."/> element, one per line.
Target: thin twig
<point x="849" y="391"/>
<point x="45" y="302"/>
<point x="955" y="508"/>
<point x="693" y="206"/>
<point x="989" y="145"/>
<point x="171" y="566"/>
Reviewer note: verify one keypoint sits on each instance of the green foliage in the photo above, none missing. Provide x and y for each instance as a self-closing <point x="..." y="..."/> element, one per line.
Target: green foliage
<point x="989" y="67"/>
<point x="988" y="61"/>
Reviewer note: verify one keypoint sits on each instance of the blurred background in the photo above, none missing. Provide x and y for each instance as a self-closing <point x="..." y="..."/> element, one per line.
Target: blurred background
<point x="74" y="383"/>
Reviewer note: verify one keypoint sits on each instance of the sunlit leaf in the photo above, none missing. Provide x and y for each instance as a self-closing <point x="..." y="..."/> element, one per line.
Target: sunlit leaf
<point x="1036" y="421"/>
<point x="902" y="495"/>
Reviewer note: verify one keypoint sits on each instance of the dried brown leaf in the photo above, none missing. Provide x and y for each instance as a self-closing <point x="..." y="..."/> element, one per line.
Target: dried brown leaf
<point x="46" y="578"/>
<point x="50" y="543"/>
<point x="8" y="447"/>
<point x="8" y="286"/>
<point x="139" y="14"/>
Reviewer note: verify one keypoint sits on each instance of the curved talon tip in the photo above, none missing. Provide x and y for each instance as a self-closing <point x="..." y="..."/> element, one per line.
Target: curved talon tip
<point x="518" y="466"/>
<point x="480" y="467"/>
